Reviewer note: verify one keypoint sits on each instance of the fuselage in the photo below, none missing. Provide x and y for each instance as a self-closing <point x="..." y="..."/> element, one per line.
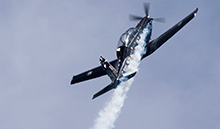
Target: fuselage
<point x="134" y="39"/>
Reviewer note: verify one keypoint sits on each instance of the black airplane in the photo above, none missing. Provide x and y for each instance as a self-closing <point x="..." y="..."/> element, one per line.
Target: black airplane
<point x="128" y="42"/>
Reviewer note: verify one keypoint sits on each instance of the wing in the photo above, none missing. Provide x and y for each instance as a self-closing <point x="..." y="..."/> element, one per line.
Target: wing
<point x="156" y="43"/>
<point x="90" y="74"/>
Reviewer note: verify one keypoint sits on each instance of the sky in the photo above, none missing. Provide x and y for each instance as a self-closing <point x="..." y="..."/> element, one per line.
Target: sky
<point x="44" y="43"/>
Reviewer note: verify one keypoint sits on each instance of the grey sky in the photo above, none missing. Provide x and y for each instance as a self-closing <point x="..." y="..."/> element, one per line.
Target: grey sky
<point x="43" y="43"/>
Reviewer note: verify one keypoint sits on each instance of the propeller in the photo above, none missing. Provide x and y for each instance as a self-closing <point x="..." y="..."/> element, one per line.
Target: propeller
<point x="162" y="19"/>
<point x="146" y="9"/>
<point x="134" y="17"/>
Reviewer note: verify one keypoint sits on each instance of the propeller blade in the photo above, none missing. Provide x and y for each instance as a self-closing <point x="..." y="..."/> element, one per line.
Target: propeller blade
<point x="163" y="20"/>
<point x="146" y="8"/>
<point x="134" y="17"/>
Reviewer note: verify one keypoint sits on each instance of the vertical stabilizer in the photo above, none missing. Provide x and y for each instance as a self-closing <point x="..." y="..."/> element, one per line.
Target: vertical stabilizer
<point x="110" y="70"/>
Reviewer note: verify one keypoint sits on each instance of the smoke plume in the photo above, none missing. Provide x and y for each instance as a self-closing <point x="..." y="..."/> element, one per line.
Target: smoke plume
<point x="111" y="111"/>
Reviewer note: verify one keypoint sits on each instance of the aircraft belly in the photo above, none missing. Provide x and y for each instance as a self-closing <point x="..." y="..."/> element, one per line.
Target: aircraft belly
<point x="125" y="64"/>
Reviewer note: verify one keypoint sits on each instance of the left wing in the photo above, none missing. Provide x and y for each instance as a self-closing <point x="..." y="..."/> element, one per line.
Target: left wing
<point x="156" y="43"/>
<point x="90" y="74"/>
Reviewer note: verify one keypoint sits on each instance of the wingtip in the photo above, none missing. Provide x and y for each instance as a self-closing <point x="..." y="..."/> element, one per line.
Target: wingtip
<point x="197" y="9"/>
<point x="93" y="97"/>
<point x="72" y="81"/>
<point x="195" y="12"/>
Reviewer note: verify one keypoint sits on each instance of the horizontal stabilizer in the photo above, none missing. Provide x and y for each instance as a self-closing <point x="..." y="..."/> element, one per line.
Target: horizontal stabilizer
<point x="125" y="78"/>
<point x="106" y="89"/>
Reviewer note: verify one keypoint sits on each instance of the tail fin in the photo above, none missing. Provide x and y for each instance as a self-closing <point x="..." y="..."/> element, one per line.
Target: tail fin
<point x="110" y="70"/>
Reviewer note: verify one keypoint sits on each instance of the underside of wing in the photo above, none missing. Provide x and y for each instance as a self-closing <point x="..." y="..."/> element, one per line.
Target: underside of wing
<point x="90" y="74"/>
<point x="156" y="43"/>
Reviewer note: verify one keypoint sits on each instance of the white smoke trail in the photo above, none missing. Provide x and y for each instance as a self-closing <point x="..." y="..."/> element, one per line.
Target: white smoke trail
<point x="110" y="113"/>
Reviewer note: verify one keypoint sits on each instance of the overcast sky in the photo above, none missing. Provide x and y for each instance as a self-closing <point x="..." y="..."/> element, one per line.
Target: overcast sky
<point x="43" y="43"/>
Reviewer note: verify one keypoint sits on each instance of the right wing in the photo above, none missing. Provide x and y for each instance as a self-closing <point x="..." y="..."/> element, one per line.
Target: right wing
<point x="90" y="74"/>
<point x="156" y="43"/>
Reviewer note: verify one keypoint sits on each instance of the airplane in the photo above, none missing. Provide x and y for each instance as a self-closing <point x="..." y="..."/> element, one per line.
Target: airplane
<point x="126" y="47"/>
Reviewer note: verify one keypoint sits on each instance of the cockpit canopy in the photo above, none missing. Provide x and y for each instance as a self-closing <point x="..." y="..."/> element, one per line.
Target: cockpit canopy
<point x="126" y="37"/>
